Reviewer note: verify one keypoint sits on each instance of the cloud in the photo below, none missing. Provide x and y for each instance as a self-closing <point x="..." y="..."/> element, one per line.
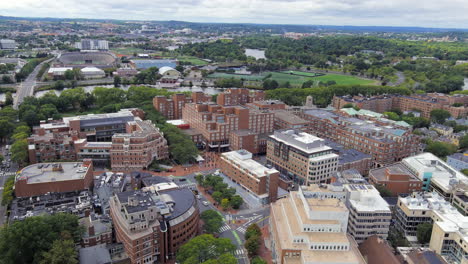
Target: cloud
<point x="428" y="13"/>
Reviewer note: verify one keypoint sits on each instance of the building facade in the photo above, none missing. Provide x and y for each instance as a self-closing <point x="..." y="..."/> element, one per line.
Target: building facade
<point x="172" y="108"/>
<point x="238" y="96"/>
<point x="396" y="178"/>
<point x="301" y="157"/>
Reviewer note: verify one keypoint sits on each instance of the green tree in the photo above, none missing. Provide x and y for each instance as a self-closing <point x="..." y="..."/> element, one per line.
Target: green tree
<point x="203" y="248"/>
<point x="441" y="149"/>
<point x="439" y="115"/>
<point x="424" y="232"/>
<point x="69" y="75"/>
<point x="464" y="142"/>
<point x="226" y="258"/>
<point x="236" y="201"/>
<point x="258" y="260"/>
<point x="252" y="245"/>
<point x="6" y="127"/>
<point x="7" y="194"/>
<point x="19" y="151"/>
<point x="8" y="99"/>
<point x="252" y="231"/>
<point x="384" y="191"/>
<point x="106" y="96"/>
<point x="225" y="204"/>
<point x="212" y="221"/>
<point x="465" y="171"/>
<point x="117" y="81"/>
<point x="217" y="196"/>
<point x="74" y="97"/>
<point x="392" y="116"/>
<point x="62" y="252"/>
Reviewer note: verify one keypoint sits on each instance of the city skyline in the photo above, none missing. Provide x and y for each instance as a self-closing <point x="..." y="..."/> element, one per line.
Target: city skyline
<point x="398" y="13"/>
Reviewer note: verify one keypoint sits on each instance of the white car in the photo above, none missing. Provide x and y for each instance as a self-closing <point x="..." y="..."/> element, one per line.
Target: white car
<point x="206" y="203"/>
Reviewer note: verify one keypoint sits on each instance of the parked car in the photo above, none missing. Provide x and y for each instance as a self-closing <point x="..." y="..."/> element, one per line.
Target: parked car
<point x="205" y="203"/>
<point x="198" y="196"/>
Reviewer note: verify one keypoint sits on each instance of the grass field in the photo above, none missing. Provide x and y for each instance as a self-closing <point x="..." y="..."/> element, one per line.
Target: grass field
<point x="192" y="60"/>
<point x="295" y="80"/>
<point x="128" y="50"/>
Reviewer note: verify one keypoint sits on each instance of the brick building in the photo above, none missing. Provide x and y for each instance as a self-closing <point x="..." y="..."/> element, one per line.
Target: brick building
<point x="96" y="231"/>
<point x="172" y="108"/>
<point x="423" y="103"/>
<point x="301" y="157"/>
<point x="396" y="178"/>
<point x="42" y="178"/>
<point x="253" y="176"/>
<point x="386" y="143"/>
<point x="153" y="225"/>
<point x="216" y="123"/>
<point x="238" y="96"/>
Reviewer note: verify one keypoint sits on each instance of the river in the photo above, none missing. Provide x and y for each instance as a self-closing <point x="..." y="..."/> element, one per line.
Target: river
<point x="89" y="89"/>
<point x="256" y="53"/>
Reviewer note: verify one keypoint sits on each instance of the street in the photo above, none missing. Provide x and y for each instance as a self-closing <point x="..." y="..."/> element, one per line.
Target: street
<point x="7" y="169"/>
<point x="26" y="88"/>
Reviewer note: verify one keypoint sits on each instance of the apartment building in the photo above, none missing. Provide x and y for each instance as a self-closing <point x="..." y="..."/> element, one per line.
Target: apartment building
<point x="171" y="108"/>
<point x="369" y="213"/>
<point x="303" y="158"/>
<point x="120" y="139"/>
<point x="216" y="123"/>
<point x="138" y="147"/>
<point x="287" y="120"/>
<point x="239" y="96"/>
<point x="251" y="175"/>
<point x="152" y="225"/>
<point x="449" y="229"/>
<point x="350" y="158"/>
<point x="458" y="161"/>
<point x="423" y="103"/>
<point x="397" y="178"/>
<point x="306" y="229"/>
<point x="386" y="143"/>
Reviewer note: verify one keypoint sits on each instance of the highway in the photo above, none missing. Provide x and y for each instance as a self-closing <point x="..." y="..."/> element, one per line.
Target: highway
<point x="26" y="88"/>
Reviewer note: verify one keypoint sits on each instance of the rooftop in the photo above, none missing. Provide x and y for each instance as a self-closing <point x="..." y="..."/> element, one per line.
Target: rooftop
<point x="300" y="140"/>
<point x="365" y="198"/>
<point x="52" y="172"/>
<point x="243" y="159"/>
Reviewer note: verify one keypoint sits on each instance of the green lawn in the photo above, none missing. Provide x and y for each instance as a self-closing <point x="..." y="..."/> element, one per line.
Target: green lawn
<point x="127" y="50"/>
<point x="192" y="60"/>
<point x="295" y="80"/>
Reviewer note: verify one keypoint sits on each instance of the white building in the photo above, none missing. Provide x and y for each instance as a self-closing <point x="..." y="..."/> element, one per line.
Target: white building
<point x="92" y="44"/>
<point x="167" y="71"/>
<point x="59" y="71"/>
<point x="7" y="44"/>
<point x="92" y="73"/>
<point x="435" y="174"/>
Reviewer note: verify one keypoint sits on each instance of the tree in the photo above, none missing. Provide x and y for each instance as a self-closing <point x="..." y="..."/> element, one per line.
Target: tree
<point x="179" y="68"/>
<point x="392" y="116"/>
<point x="236" y="201"/>
<point x="69" y="75"/>
<point x="384" y="191"/>
<point x="7" y="194"/>
<point x="439" y="115"/>
<point x="212" y="221"/>
<point x="203" y="248"/>
<point x="217" y="196"/>
<point x="1" y="158"/>
<point x="62" y="252"/>
<point x="252" y="231"/>
<point x="258" y="260"/>
<point x="441" y="149"/>
<point x="465" y="171"/>
<point x="424" y="232"/>
<point x="226" y="258"/>
<point x="252" y="245"/>
<point x="225" y="204"/>
<point x="117" y="81"/>
<point x="8" y="99"/>
<point x="464" y="142"/>
<point x="19" y="151"/>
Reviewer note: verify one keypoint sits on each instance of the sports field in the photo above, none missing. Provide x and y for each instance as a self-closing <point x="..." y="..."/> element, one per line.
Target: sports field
<point x="127" y="50"/>
<point x="295" y="79"/>
<point x="192" y="60"/>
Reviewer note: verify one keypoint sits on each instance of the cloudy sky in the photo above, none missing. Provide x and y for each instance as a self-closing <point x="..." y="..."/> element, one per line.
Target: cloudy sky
<point x="425" y="13"/>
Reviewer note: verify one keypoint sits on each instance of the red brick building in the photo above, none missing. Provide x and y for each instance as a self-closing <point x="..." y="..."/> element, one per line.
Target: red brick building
<point x="239" y="96"/>
<point x="42" y="178"/>
<point x="96" y="232"/>
<point x="172" y="108"/>
<point x="396" y="178"/>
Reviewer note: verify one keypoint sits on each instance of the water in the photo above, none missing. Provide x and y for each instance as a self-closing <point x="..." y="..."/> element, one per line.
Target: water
<point x="256" y="53"/>
<point x="89" y="89"/>
<point x="465" y="87"/>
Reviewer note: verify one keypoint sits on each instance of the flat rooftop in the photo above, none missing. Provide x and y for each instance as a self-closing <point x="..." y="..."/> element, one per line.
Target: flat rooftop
<point x="53" y="172"/>
<point x="365" y="198"/>
<point x="396" y="168"/>
<point x="289" y="117"/>
<point x="300" y="140"/>
<point x="243" y="159"/>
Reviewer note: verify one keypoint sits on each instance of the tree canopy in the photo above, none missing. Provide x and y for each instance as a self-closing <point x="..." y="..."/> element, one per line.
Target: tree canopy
<point x="212" y="221"/>
<point x="205" y="248"/>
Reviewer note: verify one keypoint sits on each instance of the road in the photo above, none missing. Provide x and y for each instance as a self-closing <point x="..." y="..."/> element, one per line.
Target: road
<point x="230" y="229"/>
<point x="4" y="174"/>
<point x="26" y="88"/>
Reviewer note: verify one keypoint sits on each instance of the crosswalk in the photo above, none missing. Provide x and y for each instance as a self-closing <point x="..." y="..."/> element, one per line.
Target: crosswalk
<point x="239" y="252"/>
<point x="188" y="185"/>
<point x="7" y="174"/>
<point x="241" y="229"/>
<point x="224" y="228"/>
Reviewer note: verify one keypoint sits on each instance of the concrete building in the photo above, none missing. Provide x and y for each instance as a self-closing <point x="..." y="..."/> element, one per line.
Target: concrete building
<point x="305" y="229"/>
<point x="350" y="158"/>
<point x="458" y="161"/>
<point x="396" y="178"/>
<point x="92" y="73"/>
<point x="287" y="120"/>
<point x="369" y="213"/>
<point x="216" y="123"/>
<point x="376" y="250"/>
<point x="58" y="72"/>
<point x="7" y="44"/>
<point x="168" y="75"/>
<point x="424" y="103"/>
<point x="301" y="157"/>
<point x="42" y="178"/>
<point x="153" y="225"/>
<point x="237" y="96"/>
<point x="386" y="143"/>
<point x="251" y="175"/>
<point x="435" y="174"/>
<point x="172" y="108"/>
<point x="449" y="230"/>
<point x="96" y="231"/>
<point x="92" y="44"/>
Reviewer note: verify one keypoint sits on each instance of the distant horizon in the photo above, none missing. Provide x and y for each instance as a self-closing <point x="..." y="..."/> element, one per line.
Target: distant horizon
<point x="232" y="23"/>
<point x="449" y="14"/>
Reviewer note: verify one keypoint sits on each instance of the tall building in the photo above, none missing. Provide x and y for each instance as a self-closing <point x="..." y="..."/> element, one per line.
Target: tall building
<point x="172" y="108"/>
<point x="7" y="44"/>
<point x="153" y="225"/>
<point x="369" y="213"/>
<point x="306" y="229"/>
<point x="385" y="142"/>
<point x="259" y="180"/>
<point x="449" y="229"/>
<point x="423" y="103"/>
<point x="92" y="44"/>
<point x="302" y="157"/>
<point x="238" y="96"/>
<point x="216" y="123"/>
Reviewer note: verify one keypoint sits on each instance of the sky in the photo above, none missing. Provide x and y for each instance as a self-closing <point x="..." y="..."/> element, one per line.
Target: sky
<point x="420" y="13"/>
